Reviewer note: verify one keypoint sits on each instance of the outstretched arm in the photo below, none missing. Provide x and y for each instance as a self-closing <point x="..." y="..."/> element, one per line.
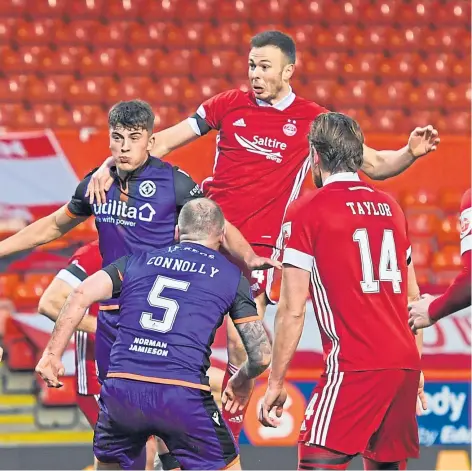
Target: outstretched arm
<point x="380" y="165"/>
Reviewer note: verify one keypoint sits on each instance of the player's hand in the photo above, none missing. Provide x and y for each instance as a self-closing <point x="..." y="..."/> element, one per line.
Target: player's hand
<point x="423" y="140"/>
<point x="100" y="182"/>
<point x="274" y="398"/>
<point x="255" y="262"/>
<point x="419" y="316"/>
<point x="236" y="394"/>
<point x="50" y="368"/>
<point x="422" y="402"/>
<point x="1" y="353"/>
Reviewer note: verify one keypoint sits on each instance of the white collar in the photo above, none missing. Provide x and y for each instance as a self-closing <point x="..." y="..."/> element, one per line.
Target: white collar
<point x="281" y="105"/>
<point x="342" y="177"/>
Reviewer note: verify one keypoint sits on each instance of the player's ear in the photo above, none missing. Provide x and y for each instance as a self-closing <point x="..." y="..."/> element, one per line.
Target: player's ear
<point x="289" y="69"/>
<point x="176" y="233"/>
<point x="150" y="144"/>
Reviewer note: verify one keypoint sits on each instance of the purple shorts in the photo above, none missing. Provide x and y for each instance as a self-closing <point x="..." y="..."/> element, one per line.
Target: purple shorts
<point x="187" y="419"/>
<point x="105" y="337"/>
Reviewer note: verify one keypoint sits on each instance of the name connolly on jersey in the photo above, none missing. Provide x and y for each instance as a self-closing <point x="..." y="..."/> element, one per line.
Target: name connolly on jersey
<point x="120" y="214"/>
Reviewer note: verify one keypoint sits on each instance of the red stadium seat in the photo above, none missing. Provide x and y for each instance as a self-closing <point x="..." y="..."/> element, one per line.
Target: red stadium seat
<point x="454" y="13"/>
<point x="30" y="290"/>
<point x="450" y="200"/>
<point x="344" y="12"/>
<point x="159" y="10"/>
<point x="391" y="94"/>
<point x="423" y="117"/>
<point x="354" y="93"/>
<point x="424" y="276"/>
<point x="390" y="121"/>
<point x="361" y="65"/>
<point x="422" y="249"/>
<point x="448" y="258"/>
<point x="24" y="60"/>
<point x="176" y="37"/>
<point x="141" y="62"/>
<point x="35" y="33"/>
<point x="8" y="284"/>
<point x="419" y="12"/>
<point x="233" y="10"/>
<point x="459" y="122"/>
<point x="167" y="116"/>
<point x="193" y="34"/>
<point x="380" y="13"/>
<point x="122" y="10"/>
<point x="268" y="11"/>
<point x="51" y="89"/>
<point x="21" y="354"/>
<point x="373" y="38"/>
<point x="209" y="87"/>
<point x="449" y="229"/>
<point x="63" y="61"/>
<point x="313" y="12"/>
<point x="77" y="32"/>
<point x="230" y="35"/>
<point x="13" y="8"/>
<point x="404" y="39"/>
<point x="58" y="397"/>
<point x="89" y="116"/>
<point x="400" y="66"/>
<point x="461" y="68"/>
<point x="219" y="64"/>
<point x="151" y="34"/>
<point x="427" y="95"/>
<point x="12" y="88"/>
<point x="198" y="10"/>
<point x="7" y="30"/>
<point x="175" y="63"/>
<point x="420" y="200"/>
<point x="323" y="65"/>
<point x="434" y="65"/>
<point x="321" y="91"/>
<point x="459" y="97"/>
<point x="90" y="10"/>
<point x="99" y="62"/>
<point x="9" y="113"/>
<point x="446" y="40"/>
<point x="91" y="90"/>
<point x="46" y="9"/>
<point x="131" y="88"/>
<point x="365" y="120"/>
<point x="422" y="224"/>
<point x="114" y="34"/>
<point x="329" y="40"/>
<point x="303" y="35"/>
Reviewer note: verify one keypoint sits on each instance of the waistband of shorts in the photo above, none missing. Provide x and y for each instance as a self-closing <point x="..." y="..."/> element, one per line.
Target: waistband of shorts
<point x="150" y="379"/>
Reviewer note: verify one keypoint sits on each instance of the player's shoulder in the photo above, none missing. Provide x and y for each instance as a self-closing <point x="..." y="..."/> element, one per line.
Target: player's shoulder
<point x="299" y="205"/>
<point x="88" y="257"/>
<point x="386" y="197"/>
<point x="466" y="200"/>
<point x="309" y="108"/>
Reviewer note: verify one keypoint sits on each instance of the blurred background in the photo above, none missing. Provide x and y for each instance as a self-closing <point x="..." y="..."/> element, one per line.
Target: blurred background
<point x="391" y="64"/>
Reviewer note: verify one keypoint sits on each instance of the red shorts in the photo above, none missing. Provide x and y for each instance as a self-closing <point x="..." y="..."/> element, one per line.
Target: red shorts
<point x="367" y="412"/>
<point x="89" y="407"/>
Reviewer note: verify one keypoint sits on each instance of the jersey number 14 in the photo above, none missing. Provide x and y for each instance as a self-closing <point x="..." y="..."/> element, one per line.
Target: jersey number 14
<point x="170" y="306"/>
<point x="388" y="265"/>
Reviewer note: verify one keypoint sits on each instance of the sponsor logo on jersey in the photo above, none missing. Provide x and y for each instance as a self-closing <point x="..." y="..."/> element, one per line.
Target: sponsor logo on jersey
<point x="147" y="189"/>
<point x="216" y="417"/>
<point x="240" y="123"/>
<point x="266" y="146"/>
<point x="466" y="222"/>
<point x="119" y="213"/>
<point x="289" y="128"/>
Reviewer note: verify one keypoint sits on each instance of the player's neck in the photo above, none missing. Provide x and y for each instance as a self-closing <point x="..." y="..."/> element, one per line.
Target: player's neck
<point x="204" y="243"/>
<point x="282" y="95"/>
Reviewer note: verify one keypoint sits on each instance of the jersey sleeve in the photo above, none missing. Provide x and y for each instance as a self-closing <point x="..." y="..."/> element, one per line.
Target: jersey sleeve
<point x="185" y="188"/>
<point x="210" y="113"/>
<point x="466" y="223"/>
<point x="73" y="274"/>
<point x="243" y="308"/>
<point x="79" y="205"/>
<point x="299" y="246"/>
<point x="116" y="271"/>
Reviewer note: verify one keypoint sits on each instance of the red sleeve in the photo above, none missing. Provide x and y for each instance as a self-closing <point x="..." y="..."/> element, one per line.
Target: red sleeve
<point x="458" y="295"/>
<point x="213" y="109"/>
<point x="88" y="258"/>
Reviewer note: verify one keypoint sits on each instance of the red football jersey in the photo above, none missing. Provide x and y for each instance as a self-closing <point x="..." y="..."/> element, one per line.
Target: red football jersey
<point x="466" y="223"/>
<point x="353" y="240"/>
<point x="85" y="262"/>
<point x="261" y="159"/>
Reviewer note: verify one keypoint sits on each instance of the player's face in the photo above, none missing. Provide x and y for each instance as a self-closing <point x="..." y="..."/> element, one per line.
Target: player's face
<point x="129" y="147"/>
<point x="269" y="73"/>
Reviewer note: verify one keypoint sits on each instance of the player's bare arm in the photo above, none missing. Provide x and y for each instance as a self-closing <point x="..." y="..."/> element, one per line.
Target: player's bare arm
<point x="235" y="243"/>
<point x="53" y="299"/>
<point x="289" y="322"/>
<point x="380" y="165"/>
<point x="40" y="232"/>
<point x="259" y="351"/>
<point x="97" y="287"/>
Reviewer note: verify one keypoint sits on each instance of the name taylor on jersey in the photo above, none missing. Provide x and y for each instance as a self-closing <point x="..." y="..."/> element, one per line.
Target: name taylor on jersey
<point x="369" y="208"/>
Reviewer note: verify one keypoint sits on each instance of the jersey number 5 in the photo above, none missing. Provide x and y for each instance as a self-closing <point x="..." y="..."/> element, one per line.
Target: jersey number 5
<point x="388" y="265"/>
<point x="170" y="306"/>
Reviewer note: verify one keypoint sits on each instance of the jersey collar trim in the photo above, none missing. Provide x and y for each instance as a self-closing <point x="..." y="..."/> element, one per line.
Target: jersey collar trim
<point x="342" y="177"/>
<point x="281" y="105"/>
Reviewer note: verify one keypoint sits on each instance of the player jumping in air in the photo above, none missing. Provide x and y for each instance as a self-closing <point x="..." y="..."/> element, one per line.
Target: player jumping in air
<point x="261" y="160"/>
<point x="156" y="383"/>
<point x="429" y="309"/>
<point x="348" y="246"/>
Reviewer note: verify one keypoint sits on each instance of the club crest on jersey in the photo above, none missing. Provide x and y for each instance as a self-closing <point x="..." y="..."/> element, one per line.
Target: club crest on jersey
<point x="147" y="188"/>
<point x="289" y="128"/>
<point x="286" y="233"/>
<point x="466" y="222"/>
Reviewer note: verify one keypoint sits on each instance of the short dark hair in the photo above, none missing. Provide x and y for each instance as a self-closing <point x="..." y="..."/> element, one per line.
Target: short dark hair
<point x="338" y="141"/>
<point x="200" y="219"/>
<point x="133" y="114"/>
<point x="277" y="39"/>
